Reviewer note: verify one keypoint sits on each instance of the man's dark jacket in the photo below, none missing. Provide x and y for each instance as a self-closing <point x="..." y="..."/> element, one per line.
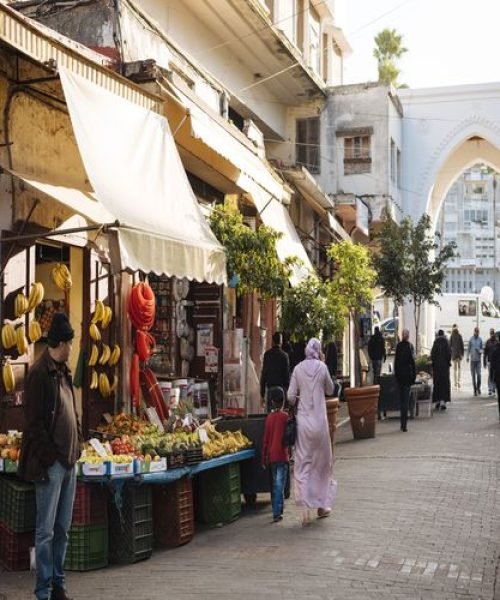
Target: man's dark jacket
<point x="404" y="364"/>
<point x="275" y="370"/>
<point x="376" y="347"/>
<point x="41" y="406"/>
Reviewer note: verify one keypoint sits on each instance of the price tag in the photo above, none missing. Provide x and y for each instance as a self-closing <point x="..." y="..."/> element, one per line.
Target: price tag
<point x="203" y="435"/>
<point x="98" y="447"/>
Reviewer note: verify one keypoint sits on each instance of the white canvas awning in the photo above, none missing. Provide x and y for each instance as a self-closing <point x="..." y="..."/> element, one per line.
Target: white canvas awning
<point x="134" y="168"/>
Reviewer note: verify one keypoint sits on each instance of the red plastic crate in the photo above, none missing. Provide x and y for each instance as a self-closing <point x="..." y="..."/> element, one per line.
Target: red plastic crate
<point x="173" y="513"/>
<point x="15" y="548"/>
<point x="91" y="504"/>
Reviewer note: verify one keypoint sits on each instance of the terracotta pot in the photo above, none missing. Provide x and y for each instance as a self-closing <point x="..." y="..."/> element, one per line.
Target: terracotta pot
<point x="332" y="407"/>
<point x="363" y="403"/>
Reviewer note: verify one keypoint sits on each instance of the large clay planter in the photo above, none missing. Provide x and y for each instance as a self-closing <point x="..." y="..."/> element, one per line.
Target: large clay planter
<point x="363" y="403"/>
<point x="332" y="408"/>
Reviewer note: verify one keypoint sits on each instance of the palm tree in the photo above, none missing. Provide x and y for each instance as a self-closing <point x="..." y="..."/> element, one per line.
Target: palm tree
<point x="388" y="49"/>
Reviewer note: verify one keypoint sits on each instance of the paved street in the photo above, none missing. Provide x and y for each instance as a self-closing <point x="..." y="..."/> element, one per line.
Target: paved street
<point x="417" y="517"/>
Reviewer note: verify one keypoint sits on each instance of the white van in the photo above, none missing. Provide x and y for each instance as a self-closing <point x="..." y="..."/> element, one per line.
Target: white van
<point x="466" y="311"/>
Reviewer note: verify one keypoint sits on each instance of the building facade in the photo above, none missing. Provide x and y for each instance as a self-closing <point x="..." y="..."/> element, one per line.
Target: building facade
<point x="469" y="216"/>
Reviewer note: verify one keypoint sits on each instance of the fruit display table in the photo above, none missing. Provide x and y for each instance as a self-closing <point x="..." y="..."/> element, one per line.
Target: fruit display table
<point x="173" y="474"/>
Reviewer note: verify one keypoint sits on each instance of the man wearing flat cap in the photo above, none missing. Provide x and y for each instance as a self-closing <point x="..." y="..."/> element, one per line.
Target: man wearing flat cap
<point x="50" y="449"/>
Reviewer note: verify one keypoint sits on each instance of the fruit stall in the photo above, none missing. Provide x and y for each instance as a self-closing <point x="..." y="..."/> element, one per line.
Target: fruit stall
<point x="137" y="490"/>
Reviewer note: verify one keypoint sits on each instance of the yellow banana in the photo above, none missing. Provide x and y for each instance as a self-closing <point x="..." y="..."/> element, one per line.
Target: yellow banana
<point x="98" y="312"/>
<point x="94" y="332"/>
<point x="20" y="305"/>
<point x="114" y="387"/>
<point x="94" y="354"/>
<point x="36" y="295"/>
<point x="8" y="336"/>
<point x="105" y="354"/>
<point x="21" y="341"/>
<point x="115" y="356"/>
<point x="104" y="388"/>
<point x="94" y="380"/>
<point x="9" y="380"/>
<point x="106" y="317"/>
<point x="34" y="331"/>
<point x="62" y="276"/>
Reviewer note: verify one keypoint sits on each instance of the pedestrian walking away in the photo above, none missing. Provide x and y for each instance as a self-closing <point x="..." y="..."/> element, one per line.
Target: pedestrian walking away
<point x="474" y="352"/>
<point x="441" y="363"/>
<point x="50" y="448"/>
<point x="495" y="367"/>
<point x="489" y="348"/>
<point x="405" y="373"/>
<point x="275" y="369"/>
<point x="377" y="354"/>
<point x="457" y="354"/>
<point x="275" y="452"/>
<point x="314" y="485"/>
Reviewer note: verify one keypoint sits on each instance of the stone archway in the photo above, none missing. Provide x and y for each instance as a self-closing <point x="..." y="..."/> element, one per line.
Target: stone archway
<point x="445" y="131"/>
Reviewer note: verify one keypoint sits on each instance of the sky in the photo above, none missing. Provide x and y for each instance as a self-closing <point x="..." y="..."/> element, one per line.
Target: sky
<point x="450" y="42"/>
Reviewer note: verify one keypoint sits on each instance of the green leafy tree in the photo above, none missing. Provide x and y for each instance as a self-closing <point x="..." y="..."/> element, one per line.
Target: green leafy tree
<point x="251" y="256"/>
<point x="411" y="263"/>
<point x="351" y="289"/>
<point x="388" y="49"/>
<point x="307" y="311"/>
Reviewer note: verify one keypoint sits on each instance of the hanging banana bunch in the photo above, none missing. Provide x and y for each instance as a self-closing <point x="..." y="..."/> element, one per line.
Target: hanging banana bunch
<point x="105" y="354"/>
<point x="21" y="305"/>
<point x="106" y="317"/>
<point x="104" y="387"/>
<point x="34" y="331"/>
<point x="21" y="340"/>
<point x="37" y="293"/>
<point x="115" y="356"/>
<point x="61" y="276"/>
<point x="9" y="337"/>
<point x="9" y="380"/>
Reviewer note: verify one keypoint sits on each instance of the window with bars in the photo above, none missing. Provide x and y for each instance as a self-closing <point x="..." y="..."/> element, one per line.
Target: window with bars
<point x="357" y="154"/>
<point x="308" y="144"/>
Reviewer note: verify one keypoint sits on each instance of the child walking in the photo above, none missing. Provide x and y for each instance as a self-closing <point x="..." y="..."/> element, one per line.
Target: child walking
<point x="274" y="453"/>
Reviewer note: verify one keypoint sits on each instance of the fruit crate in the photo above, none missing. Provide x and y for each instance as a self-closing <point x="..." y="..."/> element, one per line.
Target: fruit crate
<point x="131" y="525"/>
<point x="87" y="547"/>
<point x="17" y="504"/>
<point x="91" y="504"/>
<point x="219" y="495"/>
<point x="15" y="548"/>
<point x="193" y="456"/>
<point x="174" y="460"/>
<point x="173" y="513"/>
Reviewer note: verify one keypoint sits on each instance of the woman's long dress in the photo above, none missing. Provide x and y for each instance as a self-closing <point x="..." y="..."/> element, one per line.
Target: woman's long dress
<point x="314" y="486"/>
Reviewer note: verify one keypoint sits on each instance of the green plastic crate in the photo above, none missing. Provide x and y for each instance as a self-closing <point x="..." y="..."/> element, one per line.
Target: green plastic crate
<point x="87" y="548"/>
<point x="17" y="504"/>
<point x="131" y="526"/>
<point x="219" y="495"/>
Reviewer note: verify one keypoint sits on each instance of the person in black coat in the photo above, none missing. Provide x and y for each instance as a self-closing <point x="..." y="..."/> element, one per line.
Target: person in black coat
<point x="275" y="369"/>
<point x="377" y="354"/>
<point x="495" y="368"/>
<point x="405" y="373"/>
<point x="441" y="363"/>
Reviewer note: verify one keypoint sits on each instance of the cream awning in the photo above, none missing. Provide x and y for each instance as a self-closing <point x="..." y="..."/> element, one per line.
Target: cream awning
<point x="134" y="168"/>
<point x="275" y="215"/>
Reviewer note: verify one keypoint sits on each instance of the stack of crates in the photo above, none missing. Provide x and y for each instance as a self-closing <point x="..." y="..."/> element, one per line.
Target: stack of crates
<point x="17" y="523"/>
<point x="173" y="513"/>
<point x="219" y="495"/>
<point x="88" y="535"/>
<point x="131" y="525"/>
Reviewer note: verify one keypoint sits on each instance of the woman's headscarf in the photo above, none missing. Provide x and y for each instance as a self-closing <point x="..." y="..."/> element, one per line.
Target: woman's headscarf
<point x="313" y="349"/>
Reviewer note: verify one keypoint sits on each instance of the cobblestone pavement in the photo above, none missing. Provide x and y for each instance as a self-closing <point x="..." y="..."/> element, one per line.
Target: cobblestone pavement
<point x="417" y="517"/>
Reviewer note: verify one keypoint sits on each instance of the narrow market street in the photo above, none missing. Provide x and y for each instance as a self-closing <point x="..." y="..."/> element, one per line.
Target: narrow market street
<point x="417" y="516"/>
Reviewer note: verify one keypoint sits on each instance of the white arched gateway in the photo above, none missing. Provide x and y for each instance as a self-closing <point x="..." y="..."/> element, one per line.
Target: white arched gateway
<point x="445" y="131"/>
